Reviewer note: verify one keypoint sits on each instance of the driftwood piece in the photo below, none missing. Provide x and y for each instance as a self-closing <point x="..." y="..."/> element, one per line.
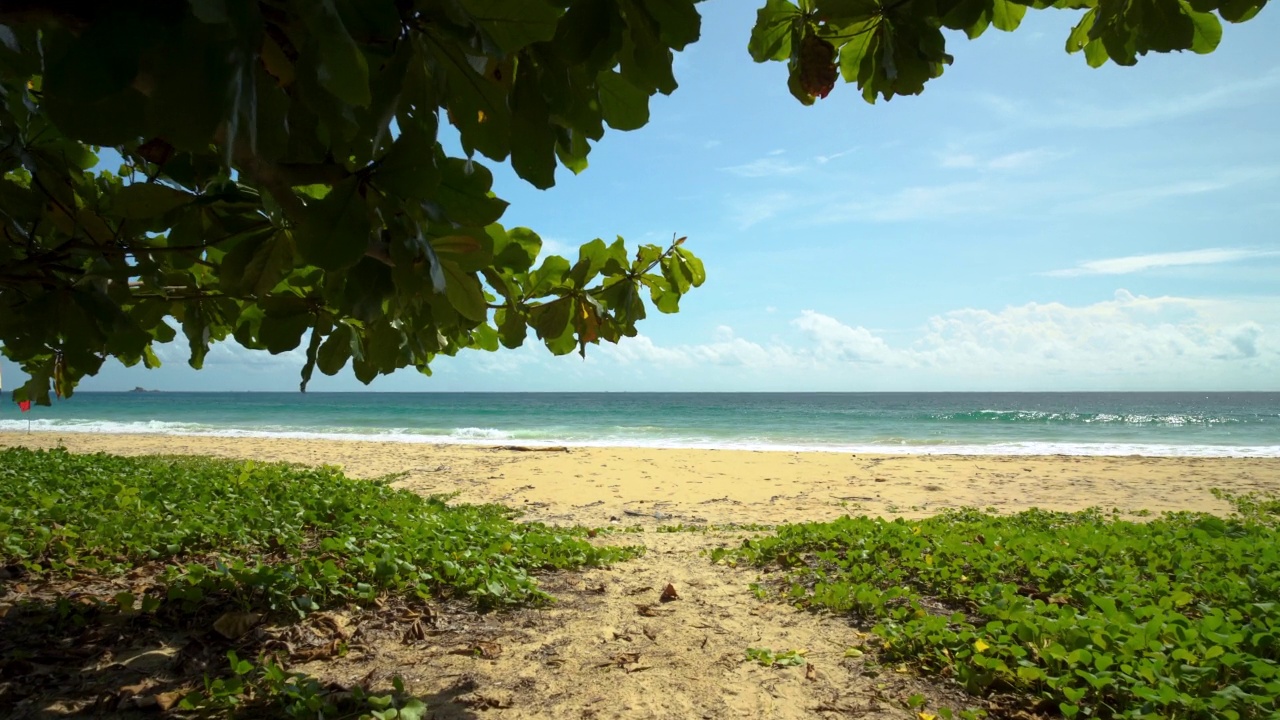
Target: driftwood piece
<point x="527" y="448"/>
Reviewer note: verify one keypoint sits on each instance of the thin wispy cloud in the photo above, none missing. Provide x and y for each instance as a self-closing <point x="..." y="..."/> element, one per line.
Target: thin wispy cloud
<point x="923" y="202"/>
<point x="1074" y="114"/>
<point x="1143" y="263"/>
<point x="1124" y="200"/>
<point x="772" y="166"/>
<point x="824" y="159"/>
<point x="747" y="211"/>
<point x="1022" y="160"/>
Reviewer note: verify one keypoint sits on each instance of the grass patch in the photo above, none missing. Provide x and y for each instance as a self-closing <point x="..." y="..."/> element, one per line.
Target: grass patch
<point x="1079" y="613"/>
<point x="160" y="546"/>
<point x="273" y="535"/>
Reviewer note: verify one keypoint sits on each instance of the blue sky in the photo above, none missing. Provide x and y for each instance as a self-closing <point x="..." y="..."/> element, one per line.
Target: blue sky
<point x="1028" y="223"/>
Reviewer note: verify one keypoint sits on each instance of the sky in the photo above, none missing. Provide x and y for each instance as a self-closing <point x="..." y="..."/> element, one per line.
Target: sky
<point x="1028" y="223"/>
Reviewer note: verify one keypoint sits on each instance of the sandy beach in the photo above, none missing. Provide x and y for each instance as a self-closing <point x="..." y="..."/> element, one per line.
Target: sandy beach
<point x="607" y="648"/>
<point x="593" y="485"/>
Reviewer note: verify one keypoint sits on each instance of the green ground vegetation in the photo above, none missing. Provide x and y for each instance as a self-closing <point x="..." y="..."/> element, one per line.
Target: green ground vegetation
<point x="275" y="536"/>
<point x="1082" y="613"/>
<point x="219" y="536"/>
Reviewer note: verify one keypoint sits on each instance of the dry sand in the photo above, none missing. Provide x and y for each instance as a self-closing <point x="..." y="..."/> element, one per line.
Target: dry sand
<point x="608" y="648"/>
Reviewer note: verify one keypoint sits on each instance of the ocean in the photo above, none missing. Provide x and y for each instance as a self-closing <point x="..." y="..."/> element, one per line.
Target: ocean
<point x="1165" y="424"/>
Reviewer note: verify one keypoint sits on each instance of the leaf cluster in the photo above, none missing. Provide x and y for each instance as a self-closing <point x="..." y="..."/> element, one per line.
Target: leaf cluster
<point x="780" y="658"/>
<point x="894" y="47"/>
<point x="1079" y="613"/>
<point x="284" y="180"/>
<point x="295" y="695"/>
<point x="271" y="535"/>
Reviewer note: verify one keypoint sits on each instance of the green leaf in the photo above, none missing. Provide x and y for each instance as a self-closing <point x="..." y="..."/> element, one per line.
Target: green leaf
<point x="513" y="24"/>
<point x="342" y="69"/>
<point x="511" y="327"/>
<point x="282" y="331"/>
<point x="692" y="266"/>
<point x="409" y="169"/>
<point x="475" y="100"/>
<point x="258" y="263"/>
<point x="776" y="25"/>
<point x="551" y="319"/>
<point x="1007" y="15"/>
<point x="1080" y="34"/>
<point x="625" y="106"/>
<point x="533" y="142"/>
<point x="334" y="233"/>
<point x="464" y="193"/>
<point x="336" y="350"/>
<point x="842" y="13"/>
<point x="192" y="75"/>
<point x="464" y="292"/>
<point x="1095" y="53"/>
<point x="590" y="34"/>
<point x="140" y="201"/>
<point x="1208" y="31"/>
<point x="678" y="21"/>
<point x="516" y="249"/>
<point x="88" y="88"/>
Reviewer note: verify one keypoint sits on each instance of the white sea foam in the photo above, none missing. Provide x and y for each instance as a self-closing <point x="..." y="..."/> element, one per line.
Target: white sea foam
<point x="487" y="436"/>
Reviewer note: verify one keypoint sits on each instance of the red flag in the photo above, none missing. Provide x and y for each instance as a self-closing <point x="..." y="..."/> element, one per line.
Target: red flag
<point x="25" y="405"/>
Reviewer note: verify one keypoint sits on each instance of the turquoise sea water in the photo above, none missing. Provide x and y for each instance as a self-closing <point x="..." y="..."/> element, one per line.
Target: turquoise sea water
<point x="1204" y="424"/>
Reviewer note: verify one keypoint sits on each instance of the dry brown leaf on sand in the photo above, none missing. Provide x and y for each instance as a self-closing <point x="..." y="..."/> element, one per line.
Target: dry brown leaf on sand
<point x="669" y="593"/>
<point x="234" y="624"/>
<point x="324" y="652"/>
<point x="481" y="649"/>
<point x="165" y="701"/>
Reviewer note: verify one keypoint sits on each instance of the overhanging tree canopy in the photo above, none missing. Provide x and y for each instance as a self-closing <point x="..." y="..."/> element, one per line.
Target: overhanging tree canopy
<point x="283" y="179"/>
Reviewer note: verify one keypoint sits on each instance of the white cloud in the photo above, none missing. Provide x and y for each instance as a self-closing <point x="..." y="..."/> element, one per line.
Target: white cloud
<point x="771" y="166"/>
<point x="554" y="246"/>
<point x="924" y="202"/>
<point x="1025" y="159"/>
<point x="834" y="341"/>
<point x="1129" y="337"/>
<point x="824" y="159"/>
<point x="1021" y="160"/>
<point x="1130" y="341"/>
<point x="725" y="349"/>
<point x="1142" y="263"/>
<point x="746" y="211"/>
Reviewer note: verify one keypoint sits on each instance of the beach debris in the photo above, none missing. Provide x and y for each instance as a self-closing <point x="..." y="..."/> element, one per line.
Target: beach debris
<point x="322" y="652"/>
<point x="483" y="649"/>
<point x="165" y="701"/>
<point x="527" y="448"/>
<point x="234" y="624"/>
<point x="622" y="660"/>
<point x="417" y="632"/>
<point x="669" y="593"/>
<point x="657" y="514"/>
<point x="488" y="700"/>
